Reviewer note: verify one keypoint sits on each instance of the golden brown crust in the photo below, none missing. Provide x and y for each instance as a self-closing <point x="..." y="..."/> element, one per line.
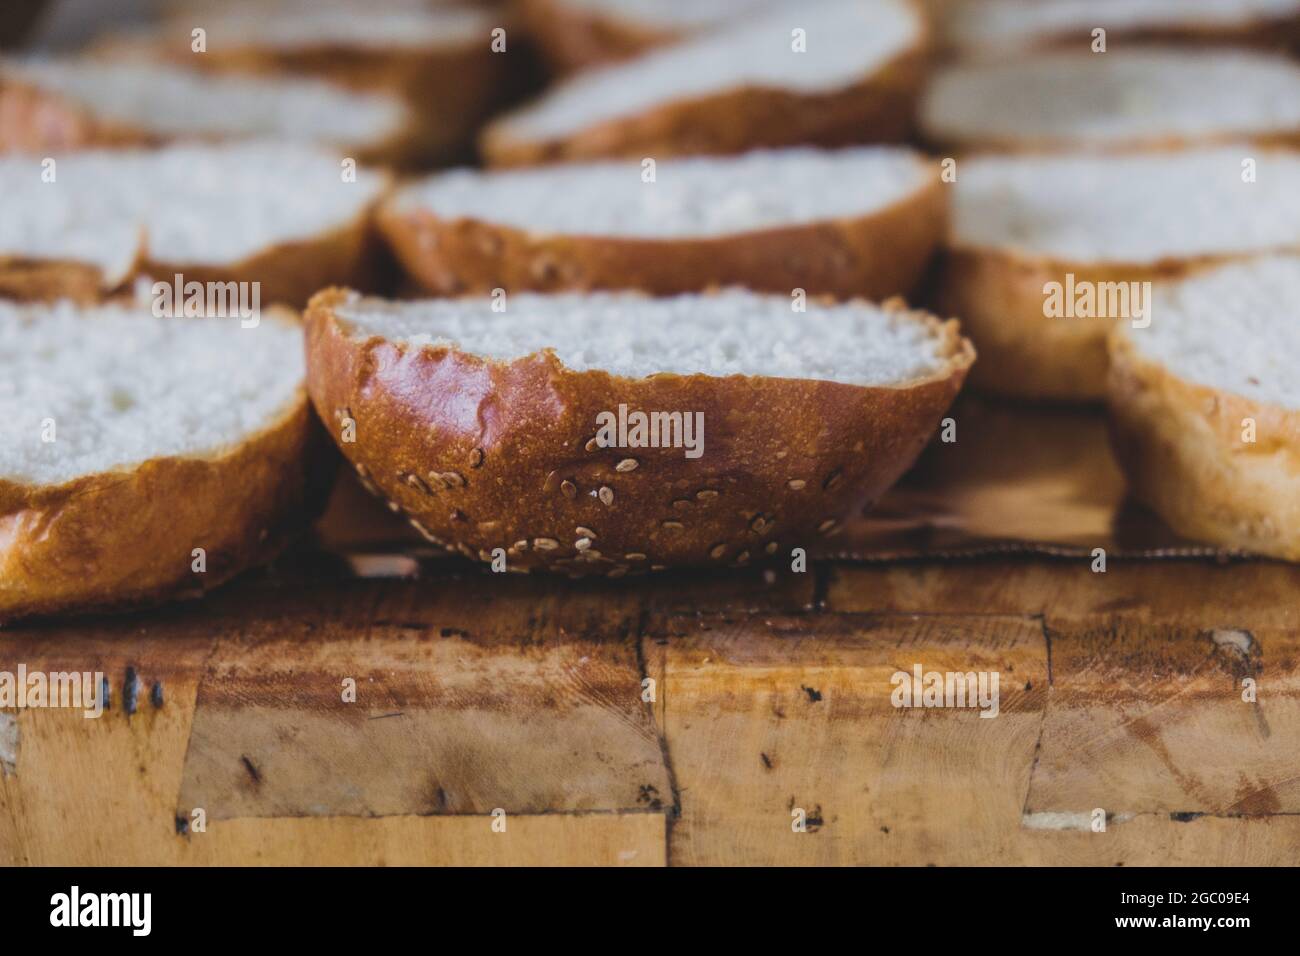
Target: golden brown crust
<point x="878" y="108"/>
<point x="1181" y="446"/>
<point x="124" y="538"/>
<point x="874" y="256"/>
<point x="574" y="38"/>
<point x="999" y="298"/>
<point x="1024" y="146"/>
<point x="481" y="455"/>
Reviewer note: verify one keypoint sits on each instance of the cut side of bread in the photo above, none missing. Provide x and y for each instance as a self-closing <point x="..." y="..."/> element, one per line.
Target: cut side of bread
<point x="1205" y="406"/>
<point x="827" y="72"/>
<point x="1027" y="227"/>
<point x="60" y="104"/>
<point x="576" y="34"/>
<point x="996" y="28"/>
<point x="130" y="441"/>
<point x="437" y="59"/>
<point x="854" y="222"/>
<point x="484" y="427"/>
<point x="279" y="215"/>
<point x="1130" y="98"/>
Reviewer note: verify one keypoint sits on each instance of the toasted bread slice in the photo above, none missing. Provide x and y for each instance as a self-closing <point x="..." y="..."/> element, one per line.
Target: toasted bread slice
<point x="1033" y="237"/>
<point x="1205" y="406"/>
<point x="827" y="72"/>
<point x="861" y="221"/>
<point x="132" y="441"/>
<point x="484" y="427"/>
<point x="61" y="104"/>
<point x="997" y="28"/>
<point x="1132" y="98"/>
<point x="286" y="217"/>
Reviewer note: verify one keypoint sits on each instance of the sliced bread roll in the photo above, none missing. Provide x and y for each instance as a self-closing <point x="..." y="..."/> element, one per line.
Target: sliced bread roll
<point x="1035" y="238"/>
<point x="575" y="34"/>
<point x="1131" y="98"/>
<point x="283" y="216"/>
<point x="517" y="429"/>
<point x="1205" y="406"/>
<point x="130" y="441"/>
<point x="996" y="28"/>
<point x="437" y="58"/>
<point x="861" y="221"/>
<point x="61" y="104"/>
<point x="827" y="72"/>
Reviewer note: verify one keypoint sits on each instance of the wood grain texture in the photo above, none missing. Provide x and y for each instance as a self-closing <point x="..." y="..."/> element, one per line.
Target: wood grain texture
<point x="770" y="692"/>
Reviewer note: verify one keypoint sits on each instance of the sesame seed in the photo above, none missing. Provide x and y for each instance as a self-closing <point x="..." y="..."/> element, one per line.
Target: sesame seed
<point x="476" y="458"/>
<point x="706" y="494"/>
<point x="771" y="547"/>
<point x="569" y="488"/>
<point x="585" y="532"/>
<point x="617" y="572"/>
<point x="673" y="525"/>
<point x="826" y="526"/>
<point x="552" y="479"/>
<point x="796" y="484"/>
<point x="453" y="479"/>
<point x="520" y="545"/>
<point x="459" y="515"/>
<point x="591" y="554"/>
<point x="488" y="525"/>
<point x="831" y="481"/>
<point x="742" y="558"/>
<point x="682" y="504"/>
<point x="627" y="464"/>
<point x="545" y="544"/>
<point x="606" y="495"/>
<point x="634" y="556"/>
<point x="582" y="544"/>
<point x="416" y="482"/>
<point x="717" y="551"/>
<point x="591" y="445"/>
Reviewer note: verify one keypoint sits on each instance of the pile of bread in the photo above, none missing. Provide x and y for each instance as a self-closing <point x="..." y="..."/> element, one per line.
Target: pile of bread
<point x="766" y="216"/>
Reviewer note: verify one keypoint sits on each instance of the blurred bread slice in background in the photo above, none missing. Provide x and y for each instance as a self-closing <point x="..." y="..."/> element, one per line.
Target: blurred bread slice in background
<point x="995" y="29"/>
<point x="147" y="458"/>
<point x="859" y="221"/>
<point x="280" y="215"/>
<point x="1205" y="406"/>
<point x="826" y="72"/>
<point x="575" y="34"/>
<point x="439" y="58"/>
<point x="1033" y="237"/>
<point x="56" y="104"/>
<point x="1130" y="98"/>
